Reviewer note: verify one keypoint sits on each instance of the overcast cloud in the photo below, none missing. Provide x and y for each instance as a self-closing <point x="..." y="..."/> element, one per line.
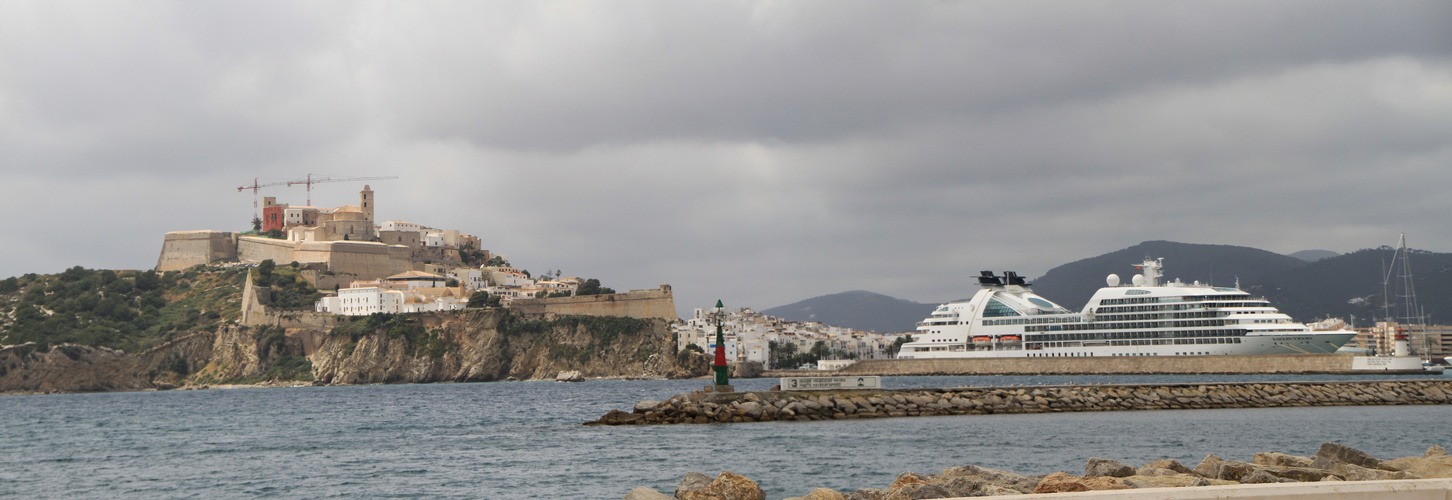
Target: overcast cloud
<point x="756" y="152"/>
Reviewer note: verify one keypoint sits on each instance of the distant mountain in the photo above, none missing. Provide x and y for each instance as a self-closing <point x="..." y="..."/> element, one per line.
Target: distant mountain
<point x="1071" y="285"/>
<point x="1313" y="255"/>
<point x="860" y="310"/>
<point x="1351" y="284"/>
<point x="1339" y="286"/>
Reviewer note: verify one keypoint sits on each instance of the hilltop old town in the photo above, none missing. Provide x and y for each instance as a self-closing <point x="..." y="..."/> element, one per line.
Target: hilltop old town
<point x="364" y="266"/>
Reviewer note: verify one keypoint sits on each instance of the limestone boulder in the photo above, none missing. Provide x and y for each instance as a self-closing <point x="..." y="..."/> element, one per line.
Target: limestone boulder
<point x="1298" y="474"/>
<point x="918" y="492"/>
<point x="726" y="486"/>
<point x="1435" y="451"/>
<point x="1260" y="476"/>
<point x="1061" y="482"/>
<point x="824" y="494"/>
<point x="1281" y="460"/>
<point x="692" y="482"/>
<point x="644" y="493"/>
<point x="1208" y="467"/>
<point x="1167" y="481"/>
<point x="645" y="406"/>
<point x="1158" y="472"/>
<point x="1171" y="464"/>
<point x="866" y="494"/>
<point x="1358" y="473"/>
<point x="994" y="477"/>
<point x="1233" y="470"/>
<point x="569" y="376"/>
<point x="1105" y="483"/>
<point x="908" y="478"/>
<point x="1107" y="467"/>
<point x="1337" y="453"/>
<point x="1426" y="467"/>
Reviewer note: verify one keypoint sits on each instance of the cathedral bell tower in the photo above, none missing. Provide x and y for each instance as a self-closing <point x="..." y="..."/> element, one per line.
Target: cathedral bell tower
<point x="365" y="202"/>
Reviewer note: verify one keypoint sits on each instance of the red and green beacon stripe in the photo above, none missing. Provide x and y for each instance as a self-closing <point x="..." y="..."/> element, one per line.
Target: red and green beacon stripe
<point x="720" y="364"/>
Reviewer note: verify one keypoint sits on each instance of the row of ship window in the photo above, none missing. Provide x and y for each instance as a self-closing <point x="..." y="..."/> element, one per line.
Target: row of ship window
<point x="1188" y="298"/>
<point x="1196" y="341"/>
<point x="1224" y="332"/>
<point x="1125" y="326"/>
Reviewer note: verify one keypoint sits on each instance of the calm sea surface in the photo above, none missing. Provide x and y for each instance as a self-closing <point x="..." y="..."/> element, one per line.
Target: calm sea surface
<point x="524" y="440"/>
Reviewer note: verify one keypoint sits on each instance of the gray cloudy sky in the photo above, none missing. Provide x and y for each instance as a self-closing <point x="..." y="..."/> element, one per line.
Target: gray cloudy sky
<point x="756" y="152"/>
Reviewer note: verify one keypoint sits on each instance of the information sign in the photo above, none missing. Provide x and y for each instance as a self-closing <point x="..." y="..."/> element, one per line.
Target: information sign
<point x="830" y="383"/>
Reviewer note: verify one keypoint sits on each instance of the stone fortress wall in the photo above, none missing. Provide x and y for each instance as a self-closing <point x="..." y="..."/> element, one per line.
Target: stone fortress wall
<point x="183" y="249"/>
<point x="359" y="259"/>
<point x="657" y="303"/>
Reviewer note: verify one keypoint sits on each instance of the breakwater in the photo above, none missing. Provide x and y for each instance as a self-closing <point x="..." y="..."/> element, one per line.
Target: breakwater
<point x="764" y="406"/>
<point x="1269" y="475"/>
<point x="1320" y="364"/>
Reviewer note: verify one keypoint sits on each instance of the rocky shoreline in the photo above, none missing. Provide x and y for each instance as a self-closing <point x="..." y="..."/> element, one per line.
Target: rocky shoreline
<point x="705" y="407"/>
<point x="1332" y="462"/>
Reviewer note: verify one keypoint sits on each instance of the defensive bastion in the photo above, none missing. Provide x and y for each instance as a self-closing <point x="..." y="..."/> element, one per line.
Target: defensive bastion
<point x="366" y="260"/>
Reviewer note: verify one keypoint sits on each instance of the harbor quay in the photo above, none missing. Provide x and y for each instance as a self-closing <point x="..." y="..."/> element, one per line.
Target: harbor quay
<point x="703" y="407"/>
<point x="1261" y="364"/>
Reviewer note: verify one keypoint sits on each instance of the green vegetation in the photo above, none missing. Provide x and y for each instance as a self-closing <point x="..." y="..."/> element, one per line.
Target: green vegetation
<point x="421" y="341"/>
<point x="126" y="310"/>
<point x="603" y="330"/>
<point x="592" y="287"/>
<point x="289" y="291"/>
<point x="897" y="344"/>
<point x="496" y="261"/>
<point x="482" y="299"/>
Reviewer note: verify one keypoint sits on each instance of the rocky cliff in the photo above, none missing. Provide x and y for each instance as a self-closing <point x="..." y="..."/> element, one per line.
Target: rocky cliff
<point x="467" y="346"/>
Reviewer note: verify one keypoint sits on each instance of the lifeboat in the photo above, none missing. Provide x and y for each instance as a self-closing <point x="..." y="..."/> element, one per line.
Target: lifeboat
<point x="1010" y="339"/>
<point x="985" y="340"/>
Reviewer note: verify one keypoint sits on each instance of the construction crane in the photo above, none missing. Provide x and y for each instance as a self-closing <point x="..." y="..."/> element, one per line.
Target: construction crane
<point x="310" y="180"/>
<point x="256" y="186"/>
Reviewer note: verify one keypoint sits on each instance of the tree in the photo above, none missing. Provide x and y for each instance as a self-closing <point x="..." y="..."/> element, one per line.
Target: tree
<point x="897" y="344"/>
<point x="820" y="349"/>
<point x="589" y="287"/>
<point x="496" y="261"/>
<point x="256" y="224"/>
<point x="451" y="282"/>
<point x="478" y="299"/>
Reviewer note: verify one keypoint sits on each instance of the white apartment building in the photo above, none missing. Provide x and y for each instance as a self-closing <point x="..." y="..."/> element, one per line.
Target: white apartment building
<point x="472" y="279"/>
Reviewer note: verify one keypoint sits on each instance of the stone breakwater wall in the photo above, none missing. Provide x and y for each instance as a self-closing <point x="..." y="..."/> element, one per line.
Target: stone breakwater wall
<point x="704" y="408"/>
<point x="1113" y="365"/>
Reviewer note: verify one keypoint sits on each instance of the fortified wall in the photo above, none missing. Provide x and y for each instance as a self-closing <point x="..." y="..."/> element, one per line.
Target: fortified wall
<point x="643" y="304"/>
<point x="362" y="259"/>
<point x="184" y="249"/>
<point x="1114" y="365"/>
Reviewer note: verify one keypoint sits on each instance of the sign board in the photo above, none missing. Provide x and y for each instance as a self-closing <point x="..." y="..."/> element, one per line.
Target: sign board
<point x="830" y="383"/>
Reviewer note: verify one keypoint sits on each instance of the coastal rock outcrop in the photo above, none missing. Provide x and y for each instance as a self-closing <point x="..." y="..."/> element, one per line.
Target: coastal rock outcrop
<point x="974" y="481"/>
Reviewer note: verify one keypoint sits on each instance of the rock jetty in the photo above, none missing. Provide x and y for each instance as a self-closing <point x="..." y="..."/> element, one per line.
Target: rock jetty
<point x="1333" y="462"/>
<point x="764" y="406"/>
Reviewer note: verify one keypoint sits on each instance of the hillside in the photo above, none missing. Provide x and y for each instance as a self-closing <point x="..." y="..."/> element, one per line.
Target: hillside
<point x="860" y="310"/>
<point x="1071" y="285"/>
<point x="125" y="310"/>
<point x="1351" y="284"/>
<point x="85" y="331"/>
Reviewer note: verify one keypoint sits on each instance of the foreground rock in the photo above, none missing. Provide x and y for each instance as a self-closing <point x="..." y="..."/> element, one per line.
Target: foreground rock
<point x="702" y="408"/>
<point x="1333" y="462"/>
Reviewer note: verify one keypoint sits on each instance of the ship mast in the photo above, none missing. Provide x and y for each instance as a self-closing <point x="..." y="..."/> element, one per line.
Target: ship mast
<point x="1406" y="295"/>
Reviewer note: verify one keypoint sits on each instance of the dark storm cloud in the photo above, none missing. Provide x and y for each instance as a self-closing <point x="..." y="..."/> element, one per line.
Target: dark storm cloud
<point x="759" y="152"/>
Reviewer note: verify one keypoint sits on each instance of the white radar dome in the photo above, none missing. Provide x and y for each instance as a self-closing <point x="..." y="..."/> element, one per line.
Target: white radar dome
<point x="1138" y="280"/>
<point x="1113" y="280"/>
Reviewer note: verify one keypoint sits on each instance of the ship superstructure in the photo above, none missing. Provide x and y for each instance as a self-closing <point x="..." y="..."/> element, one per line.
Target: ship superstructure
<point x="1142" y="318"/>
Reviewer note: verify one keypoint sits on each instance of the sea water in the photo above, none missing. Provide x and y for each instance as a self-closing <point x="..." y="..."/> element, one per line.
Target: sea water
<point x="524" y="440"/>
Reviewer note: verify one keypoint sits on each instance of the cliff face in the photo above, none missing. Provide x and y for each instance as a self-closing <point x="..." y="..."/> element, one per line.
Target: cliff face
<point x="496" y="345"/>
<point x="469" y="346"/>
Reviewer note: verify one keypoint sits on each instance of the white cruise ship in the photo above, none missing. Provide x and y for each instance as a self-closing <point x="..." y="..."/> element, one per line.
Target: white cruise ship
<point x="1143" y="318"/>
